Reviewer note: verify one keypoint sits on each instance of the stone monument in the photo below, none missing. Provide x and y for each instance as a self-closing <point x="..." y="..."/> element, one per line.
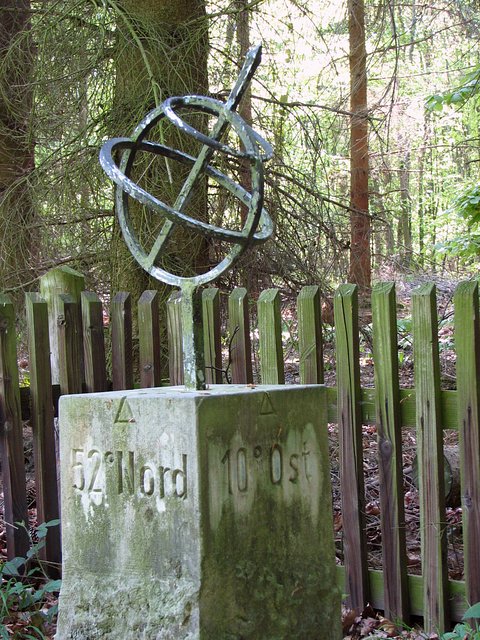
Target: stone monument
<point x="193" y="513"/>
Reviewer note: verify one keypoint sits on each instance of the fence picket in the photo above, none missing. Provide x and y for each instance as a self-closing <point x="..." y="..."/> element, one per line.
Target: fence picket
<point x="59" y="280"/>
<point x="149" y="340"/>
<point x="212" y="340"/>
<point x="430" y="458"/>
<point x="174" y="331"/>
<point x="467" y="346"/>
<point x="270" y="337"/>
<point x="42" y="422"/>
<point x="388" y="419"/>
<point x="240" y="351"/>
<point x="310" y="335"/>
<point x="350" y="445"/>
<point x="11" y="436"/>
<point x="69" y="344"/>
<point x="121" y="323"/>
<point x="93" y="342"/>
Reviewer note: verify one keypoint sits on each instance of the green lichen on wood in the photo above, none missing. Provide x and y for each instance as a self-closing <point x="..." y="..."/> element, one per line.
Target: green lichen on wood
<point x="310" y="336"/>
<point x="350" y="436"/>
<point x="387" y="403"/>
<point x="467" y="347"/>
<point x="240" y="342"/>
<point x="430" y="455"/>
<point x="270" y="337"/>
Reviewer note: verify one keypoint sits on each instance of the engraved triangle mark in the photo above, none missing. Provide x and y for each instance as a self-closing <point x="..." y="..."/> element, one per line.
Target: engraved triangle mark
<point x="124" y="413"/>
<point x="267" y="407"/>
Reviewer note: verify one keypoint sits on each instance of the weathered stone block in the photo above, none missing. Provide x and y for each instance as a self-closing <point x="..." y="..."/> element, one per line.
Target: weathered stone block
<point x="199" y="515"/>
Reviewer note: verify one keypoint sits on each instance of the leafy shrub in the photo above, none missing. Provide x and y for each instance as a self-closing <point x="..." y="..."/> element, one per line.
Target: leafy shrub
<point x="24" y="588"/>
<point x="467" y="207"/>
<point x="464" y="631"/>
<point x="469" y="87"/>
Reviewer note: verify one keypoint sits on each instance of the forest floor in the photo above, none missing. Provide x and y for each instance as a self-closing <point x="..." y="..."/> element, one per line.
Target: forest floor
<point x="369" y="623"/>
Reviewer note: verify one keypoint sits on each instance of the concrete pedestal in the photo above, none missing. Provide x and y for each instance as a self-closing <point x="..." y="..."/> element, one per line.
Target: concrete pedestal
<point x="199" y="515"/>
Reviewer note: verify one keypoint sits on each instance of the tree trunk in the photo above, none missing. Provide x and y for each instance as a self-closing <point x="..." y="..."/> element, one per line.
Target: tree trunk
<point x="16" y="148"/>
<point x="245" y="109"/>
<point x="405" y="226"/>
<point x="249" y="272"/>
<point x="174" y="39"/>
<point x="360" y="258"/>
<point x="421" y="191"/>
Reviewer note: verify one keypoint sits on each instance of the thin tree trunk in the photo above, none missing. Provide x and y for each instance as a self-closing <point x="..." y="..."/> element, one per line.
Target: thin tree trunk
<point x="379" y="231"/>
<point x="249" y="275"/>
<point x="360" y="258"/>
<point x="405" y="231"/>
<point x="245" y="109"/>
<point x="421" y="192"/>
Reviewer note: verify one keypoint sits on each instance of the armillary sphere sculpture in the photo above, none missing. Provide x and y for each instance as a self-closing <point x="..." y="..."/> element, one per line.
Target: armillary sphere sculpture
<point x="256" y="229"/>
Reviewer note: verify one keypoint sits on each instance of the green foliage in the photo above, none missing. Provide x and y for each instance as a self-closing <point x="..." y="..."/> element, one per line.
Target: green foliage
<point x="23" y="590"/>
<point x="463" y="630"/>
<point x="463" y="246"/>
<point x="469" y="87"/>
<point x="467" y="207"/>
<point x="404" y="331"/>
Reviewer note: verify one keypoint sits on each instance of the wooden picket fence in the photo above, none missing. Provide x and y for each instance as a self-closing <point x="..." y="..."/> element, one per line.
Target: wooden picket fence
<point x="82" y="367"/>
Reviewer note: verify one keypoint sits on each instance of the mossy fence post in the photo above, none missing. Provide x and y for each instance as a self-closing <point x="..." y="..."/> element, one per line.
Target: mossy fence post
<point x="350" y="444"/>
<point x="430" y="457"/>
<point x="310" y="345"/>
<point x="122" y="357"/>
<point x="11" y="437"/>
<point x="240" y="350"/>
<point x="389" y="435"/>
<point x="42" y="422"/>
<point x="212" y="341"/>
<point x="69" y="344"/>
<point x="174" y="333"/>
<point x="60" y="280"/>
<point x="467" y="346"/>
<point x="149" y="340"/>
<point x="270" y="337"/>
<point x="93" y="343"/>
